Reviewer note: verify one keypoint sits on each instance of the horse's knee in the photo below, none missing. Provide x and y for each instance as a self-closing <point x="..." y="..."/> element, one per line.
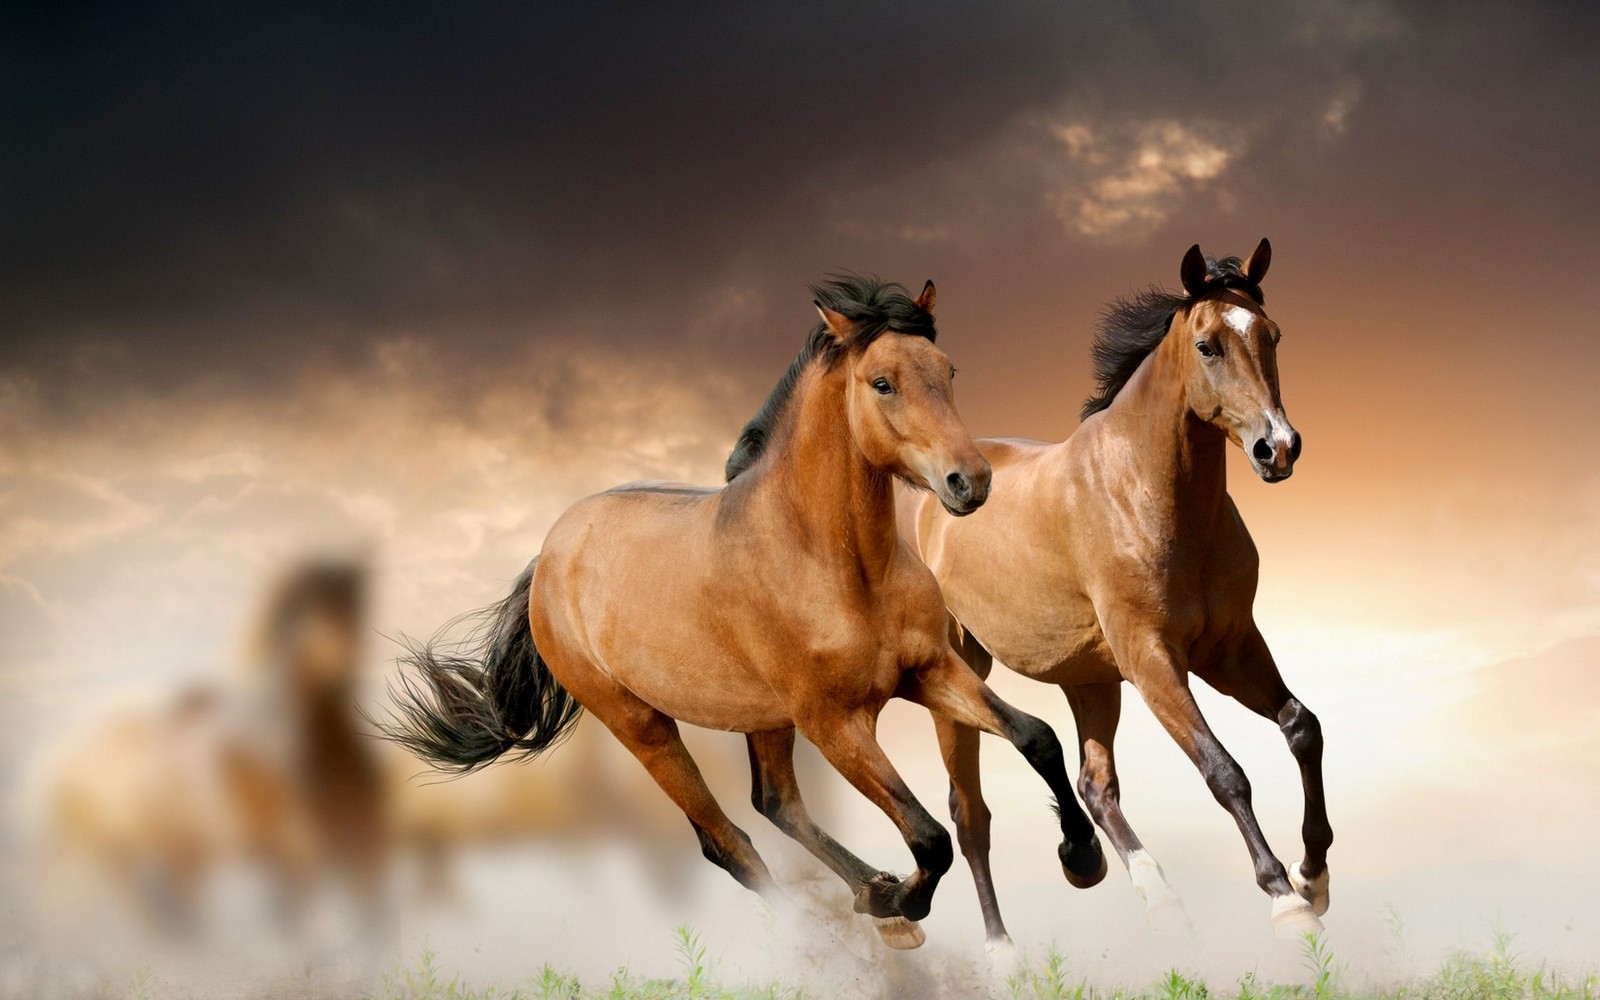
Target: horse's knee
<point x="1302" y="729"/>
<point x="1038" y="742"/>
<point x="1228" y="782"/>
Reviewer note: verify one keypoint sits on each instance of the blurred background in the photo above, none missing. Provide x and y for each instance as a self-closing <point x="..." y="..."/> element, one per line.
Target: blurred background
<point x="315" y="318"/>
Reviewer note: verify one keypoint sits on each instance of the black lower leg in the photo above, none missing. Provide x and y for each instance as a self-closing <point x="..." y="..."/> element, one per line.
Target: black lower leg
<point x="776" y="795"/>
<point x="1303" y="732"/>
<point x="1080" y="851"/>
<point x="1231" y="787"/>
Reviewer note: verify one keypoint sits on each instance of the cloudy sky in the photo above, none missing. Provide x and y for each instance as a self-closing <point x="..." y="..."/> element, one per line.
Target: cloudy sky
<point x="414" y="279"/>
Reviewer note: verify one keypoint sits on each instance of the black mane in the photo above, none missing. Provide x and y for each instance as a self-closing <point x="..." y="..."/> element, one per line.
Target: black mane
<point x="1131" y="327"/>
<point x="874" y="308"/>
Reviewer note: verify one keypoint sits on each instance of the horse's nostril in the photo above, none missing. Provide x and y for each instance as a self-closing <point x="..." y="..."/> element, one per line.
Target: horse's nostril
<point x="959" y="485"/>
<point x="1294" y="448"/>
<point x="1262" y="450"/>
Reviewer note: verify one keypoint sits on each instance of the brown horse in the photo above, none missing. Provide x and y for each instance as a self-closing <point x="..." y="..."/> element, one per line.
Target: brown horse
<point x="1118" y="555"/>
<point x="784" y="601"/>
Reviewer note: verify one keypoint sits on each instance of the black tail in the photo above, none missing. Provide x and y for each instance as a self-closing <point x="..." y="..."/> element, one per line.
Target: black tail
<point x="476" y="699"/>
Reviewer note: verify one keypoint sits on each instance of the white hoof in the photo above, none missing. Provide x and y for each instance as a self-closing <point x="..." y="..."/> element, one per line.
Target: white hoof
<point x="1162" y="906"/>
<point x="1312" y="890"/>
<point x="1003" y="958"/>
<point x="1168" y="915"/>
<point x="1292" y="917"/>
<point x="899" y="933"/>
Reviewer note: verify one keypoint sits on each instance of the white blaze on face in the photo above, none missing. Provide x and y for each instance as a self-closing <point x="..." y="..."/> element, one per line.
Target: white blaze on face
<point x="1278" y="428"/>
<point x="1240" y="318"/>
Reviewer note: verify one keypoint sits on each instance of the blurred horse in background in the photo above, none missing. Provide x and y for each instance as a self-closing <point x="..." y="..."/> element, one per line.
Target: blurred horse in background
<point x="271" y="772"/>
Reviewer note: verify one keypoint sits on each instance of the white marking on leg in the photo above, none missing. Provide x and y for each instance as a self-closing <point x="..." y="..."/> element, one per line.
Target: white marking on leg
<point x="1312" y="890"/>
<point x="1240" y="318"/>
<point x="1163" y="907"/>
<point x="1003" y="959"/>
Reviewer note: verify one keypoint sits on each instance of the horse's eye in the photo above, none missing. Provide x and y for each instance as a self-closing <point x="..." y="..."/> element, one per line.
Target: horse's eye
<point x="882" y="385"/>
<point x="1205" y="349"/>
<point x="953" y="374"/>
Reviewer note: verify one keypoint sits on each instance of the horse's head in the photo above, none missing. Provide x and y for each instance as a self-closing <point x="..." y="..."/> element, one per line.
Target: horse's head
<point x="314" y="625"/>
<point x="900" y="402"/>
<point x="1232" y="351"/>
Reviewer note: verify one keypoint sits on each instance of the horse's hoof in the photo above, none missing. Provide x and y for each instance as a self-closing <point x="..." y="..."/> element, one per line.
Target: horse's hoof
<point x="1168" y="914"/>
<point x="1293" y="918"/>
<point x="1312" y="890"/>
<point x="900" y="933"/>
<point x="1003" y="957"/>
<point x="880" y="897"/>
<point x="1083" y="865"/>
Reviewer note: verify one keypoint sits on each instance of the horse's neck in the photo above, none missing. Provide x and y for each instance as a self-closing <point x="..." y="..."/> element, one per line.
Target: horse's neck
<point x="826" y="484"/>
<point x="1179" y="460"/>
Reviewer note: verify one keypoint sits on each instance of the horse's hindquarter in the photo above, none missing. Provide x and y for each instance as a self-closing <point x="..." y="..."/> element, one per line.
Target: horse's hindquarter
<point x="635" y="584"/>
<point x="1009" y="570"/>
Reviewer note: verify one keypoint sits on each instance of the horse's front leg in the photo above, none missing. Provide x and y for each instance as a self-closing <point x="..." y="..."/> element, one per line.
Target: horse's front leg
<point x="848" y="739"/>
<point x="1252" y="679"/>
<point x="950" y="688"/>
<point x="1160" y="673"/>
<point x="1096" y="708"/>
<point x="775" y="792"/>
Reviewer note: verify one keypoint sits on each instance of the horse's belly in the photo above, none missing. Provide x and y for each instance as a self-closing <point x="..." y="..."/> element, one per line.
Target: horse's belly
<point x="1055" y="641"/>
<point x="701" y="687"/>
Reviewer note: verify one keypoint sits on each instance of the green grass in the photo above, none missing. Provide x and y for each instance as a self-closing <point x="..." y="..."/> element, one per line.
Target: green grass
<point x="1496" y="972"/>
<point x="424" y="981"/>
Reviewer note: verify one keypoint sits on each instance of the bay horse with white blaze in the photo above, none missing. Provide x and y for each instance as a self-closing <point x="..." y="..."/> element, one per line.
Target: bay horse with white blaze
<point x="1118" y="555"/>
<point x="783" y="601"/>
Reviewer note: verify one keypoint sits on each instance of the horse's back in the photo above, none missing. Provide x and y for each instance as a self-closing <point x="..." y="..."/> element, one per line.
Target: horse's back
<point x="1006" y="450"/>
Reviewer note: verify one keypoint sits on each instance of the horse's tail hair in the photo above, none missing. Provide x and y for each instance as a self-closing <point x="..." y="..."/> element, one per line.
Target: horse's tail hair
<point x="464" y="704"/>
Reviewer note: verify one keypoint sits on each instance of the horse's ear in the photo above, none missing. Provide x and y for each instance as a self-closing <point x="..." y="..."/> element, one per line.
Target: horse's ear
<point x="1193" y="270"/>
<point x="1256" y="267"/>
<point x="837" y="323"/>
<point x="927" y="298"/>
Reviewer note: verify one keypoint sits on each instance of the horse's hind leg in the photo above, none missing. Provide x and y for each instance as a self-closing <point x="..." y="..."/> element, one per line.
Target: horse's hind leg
<point x="1096" y="708"/>
<point x="847" y="739"/>
<point x="775" y="792"/>
<point x="652" y="736"/>
<point x="1255" y="683"/>
<point x="951" y="689"/>
<point x="960" y="748"/>
<point x="1162" y="680"/>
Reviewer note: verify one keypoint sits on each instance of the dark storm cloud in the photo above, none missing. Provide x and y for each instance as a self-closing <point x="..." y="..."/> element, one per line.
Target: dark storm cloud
<point x="225" y="188"/>
<point x="245" y="169"/>
<point x="209" y="183"/>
